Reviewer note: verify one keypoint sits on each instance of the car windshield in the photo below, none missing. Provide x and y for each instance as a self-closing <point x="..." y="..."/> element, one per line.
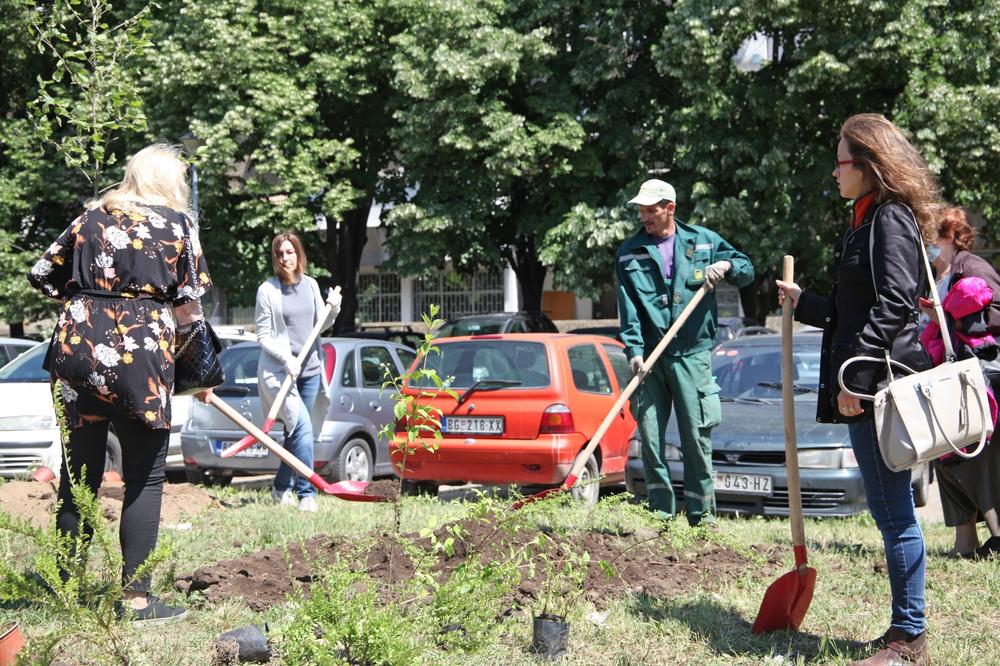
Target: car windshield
<point x="27" y="367"/>
<point x="470" y="327"/>
<point x="464" y="363"/>
<point x="754" y="371"/>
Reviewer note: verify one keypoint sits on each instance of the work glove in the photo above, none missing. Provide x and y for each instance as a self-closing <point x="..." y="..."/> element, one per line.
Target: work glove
<point x="715" y="273"/>
<point x="292" y="366"/>
<point x="334" y="298"/>
<point x="635" y="365"/>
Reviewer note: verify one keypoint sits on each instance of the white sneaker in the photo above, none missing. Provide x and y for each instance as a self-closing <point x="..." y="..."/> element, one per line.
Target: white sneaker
<point x="308" y="504"/>
<point x="284" y="498"/>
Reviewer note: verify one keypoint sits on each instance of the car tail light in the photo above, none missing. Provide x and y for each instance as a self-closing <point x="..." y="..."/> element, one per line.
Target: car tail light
<point x="490" y="336"/>
<point x="329" y="362"/>
<point x="557" y="419"/>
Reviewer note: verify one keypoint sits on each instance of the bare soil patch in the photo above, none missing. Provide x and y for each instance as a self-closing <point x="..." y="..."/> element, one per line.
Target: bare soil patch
<point x="36" y="501"/>
<point x="642" y="562"/>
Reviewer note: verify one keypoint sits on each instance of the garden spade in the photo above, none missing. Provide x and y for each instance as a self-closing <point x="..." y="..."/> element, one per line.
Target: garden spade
<point x="286" y="386"/>
<point x="647" y="364"/>
<point x="787" y="600"/>
<point x="353" y="491"/>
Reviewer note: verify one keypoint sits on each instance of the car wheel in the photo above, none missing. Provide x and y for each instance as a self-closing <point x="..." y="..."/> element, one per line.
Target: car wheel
<point x="587" y="487"/>
<point x="113" y="455"/>
<point x="921" y="487"/>
<point x="194" y="475"/>
<point x="354" y="462"/>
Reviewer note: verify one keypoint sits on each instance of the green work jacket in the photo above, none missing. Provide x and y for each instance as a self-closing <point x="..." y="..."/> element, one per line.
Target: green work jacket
<point x="648" y="304"/>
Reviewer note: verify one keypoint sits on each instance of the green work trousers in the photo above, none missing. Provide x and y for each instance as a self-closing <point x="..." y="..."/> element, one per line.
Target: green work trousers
<point x="684" y="383"/>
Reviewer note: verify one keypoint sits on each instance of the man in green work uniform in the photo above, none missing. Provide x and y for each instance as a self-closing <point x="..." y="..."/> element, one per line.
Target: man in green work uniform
<point x="659" y="270"/>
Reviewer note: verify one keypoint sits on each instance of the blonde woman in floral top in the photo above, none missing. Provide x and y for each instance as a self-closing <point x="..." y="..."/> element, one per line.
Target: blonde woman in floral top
<point x="122" y="270"/>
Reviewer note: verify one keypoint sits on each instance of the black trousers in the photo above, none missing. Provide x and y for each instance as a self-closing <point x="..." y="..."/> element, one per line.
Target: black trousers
<point x="144" y="456"/>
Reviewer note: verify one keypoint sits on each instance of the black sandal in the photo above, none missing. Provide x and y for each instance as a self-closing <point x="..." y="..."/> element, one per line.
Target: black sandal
<point x="989" y="549"/>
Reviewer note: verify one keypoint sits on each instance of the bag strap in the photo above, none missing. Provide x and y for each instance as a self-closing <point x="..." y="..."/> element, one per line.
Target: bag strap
<point x="949" y="351"/>
<point x="871" y="359"/>
<point x="966" y="384"/>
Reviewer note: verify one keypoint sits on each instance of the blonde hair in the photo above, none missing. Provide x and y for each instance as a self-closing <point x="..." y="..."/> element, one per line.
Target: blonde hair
<point x="156" y="175"/>
<point x="895" y="169"/>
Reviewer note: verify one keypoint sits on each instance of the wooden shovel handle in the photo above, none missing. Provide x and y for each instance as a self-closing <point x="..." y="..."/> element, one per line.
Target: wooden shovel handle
<point x="286" y="385"/>
<point x="788" y="404"/>
<point x="286" y="457"/>
<point x="634" y="384"/>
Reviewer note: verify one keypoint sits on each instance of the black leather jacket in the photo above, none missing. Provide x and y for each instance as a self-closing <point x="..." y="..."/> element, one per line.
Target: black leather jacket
<point x="871" y="308"/>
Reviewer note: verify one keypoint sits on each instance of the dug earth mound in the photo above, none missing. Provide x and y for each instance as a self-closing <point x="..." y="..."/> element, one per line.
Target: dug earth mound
<point x="36" y="501"/>
<point x="640" y="562"/>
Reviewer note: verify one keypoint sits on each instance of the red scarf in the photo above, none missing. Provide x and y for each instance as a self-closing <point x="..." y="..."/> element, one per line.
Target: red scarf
<point x="861" y="205"/>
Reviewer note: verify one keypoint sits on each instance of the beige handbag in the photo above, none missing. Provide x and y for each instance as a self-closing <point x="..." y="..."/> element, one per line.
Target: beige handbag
<point x="924" y="415"/>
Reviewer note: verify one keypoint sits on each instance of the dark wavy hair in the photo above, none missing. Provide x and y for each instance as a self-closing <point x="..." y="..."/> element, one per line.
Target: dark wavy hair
<point x="893" y="166"/>
<point x="953" y="225"/>
<point x="300" y="251"/>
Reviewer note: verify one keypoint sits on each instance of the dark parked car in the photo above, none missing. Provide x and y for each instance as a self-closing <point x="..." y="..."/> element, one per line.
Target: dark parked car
<point x="499" y="322"/>
<point x="748" y="449"/>
<point x="403" y="335"/>
<point x="613" y="332"/>
<point x="347" y="445"/>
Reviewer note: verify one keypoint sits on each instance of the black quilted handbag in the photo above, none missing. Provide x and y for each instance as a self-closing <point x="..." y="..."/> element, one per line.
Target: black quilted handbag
<point x="196" y="361"/>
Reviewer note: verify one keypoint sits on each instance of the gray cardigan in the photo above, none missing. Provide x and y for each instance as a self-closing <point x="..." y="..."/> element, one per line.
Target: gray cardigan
<point x="273" y="338"/>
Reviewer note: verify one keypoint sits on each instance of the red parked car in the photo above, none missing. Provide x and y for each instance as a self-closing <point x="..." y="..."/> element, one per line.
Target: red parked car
<point x="527" y="405"/>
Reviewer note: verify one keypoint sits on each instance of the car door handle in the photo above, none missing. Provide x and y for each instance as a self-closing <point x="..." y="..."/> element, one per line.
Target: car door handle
<point x="374" y="405"/>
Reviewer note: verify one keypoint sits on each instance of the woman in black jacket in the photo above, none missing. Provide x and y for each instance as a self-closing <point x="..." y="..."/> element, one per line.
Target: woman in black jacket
<point x="873" y="309"/>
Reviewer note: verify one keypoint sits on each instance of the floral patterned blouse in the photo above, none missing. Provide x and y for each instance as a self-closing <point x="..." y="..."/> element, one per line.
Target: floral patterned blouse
<point x="120" y="276"/>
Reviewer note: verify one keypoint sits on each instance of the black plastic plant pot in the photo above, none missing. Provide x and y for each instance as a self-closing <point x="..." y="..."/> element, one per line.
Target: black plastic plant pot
<point x="549" y="634"/>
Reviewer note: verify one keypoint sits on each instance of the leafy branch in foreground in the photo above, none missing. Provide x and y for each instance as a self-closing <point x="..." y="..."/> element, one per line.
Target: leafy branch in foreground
<point x="81" y="595"/>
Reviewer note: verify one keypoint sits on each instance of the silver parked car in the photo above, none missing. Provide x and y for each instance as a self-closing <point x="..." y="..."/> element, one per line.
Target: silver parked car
<point x="748" y="449"/>
<point x="347" y="446"/>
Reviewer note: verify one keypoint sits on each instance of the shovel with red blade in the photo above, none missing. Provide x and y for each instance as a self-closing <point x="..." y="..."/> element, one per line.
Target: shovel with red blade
<point x="286" y="386"/>
<point x="787" y="599"/>
<point x="353" y="491"/>
<point x="620" y="403"/>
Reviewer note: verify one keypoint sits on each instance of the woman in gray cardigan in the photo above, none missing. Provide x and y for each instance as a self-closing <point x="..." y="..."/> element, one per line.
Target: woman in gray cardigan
<point x="288" y="307"/>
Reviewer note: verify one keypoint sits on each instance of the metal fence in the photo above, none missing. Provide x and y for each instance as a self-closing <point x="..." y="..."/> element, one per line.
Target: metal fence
<point x="460" y="294"/>
<point x="378" y="297"/>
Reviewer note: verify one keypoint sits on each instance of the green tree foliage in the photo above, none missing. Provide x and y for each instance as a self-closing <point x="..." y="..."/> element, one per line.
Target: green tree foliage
<point x="291" y="100"/>
<point x="90" y="99"/>
<point x="494" y="131"/>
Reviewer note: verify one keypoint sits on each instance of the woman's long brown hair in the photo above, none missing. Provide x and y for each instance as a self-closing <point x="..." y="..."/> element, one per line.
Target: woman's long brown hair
<point x="300" y="265"/>
<point x="895" y="169"/>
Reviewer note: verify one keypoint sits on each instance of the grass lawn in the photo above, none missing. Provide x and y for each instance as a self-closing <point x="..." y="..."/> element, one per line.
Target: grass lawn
<point x="700" y="626"/>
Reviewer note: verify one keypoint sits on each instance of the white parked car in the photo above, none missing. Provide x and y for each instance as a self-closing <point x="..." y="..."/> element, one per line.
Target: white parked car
<point x="29" y="436"/>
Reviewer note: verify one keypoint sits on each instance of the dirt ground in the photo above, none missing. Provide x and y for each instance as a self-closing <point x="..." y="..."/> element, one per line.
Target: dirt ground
<point x="642" y="562"/>
<point x="36" y="501"/>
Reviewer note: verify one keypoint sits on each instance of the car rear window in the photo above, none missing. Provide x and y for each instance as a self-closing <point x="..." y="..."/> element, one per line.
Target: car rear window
<point x="239" y="365"/>
<point x="470" y="327"/>
<point x="468" y="362"/>
<point x="755" y="371"/>
<point x="27" y="367"/>
<point x="619" y="364"/>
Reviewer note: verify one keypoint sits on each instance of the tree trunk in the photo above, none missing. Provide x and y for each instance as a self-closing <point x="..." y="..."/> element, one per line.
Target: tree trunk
<point x="758" y="298"/>
<point x="523" y="259"/>
<point x="344" y="245"/>
<point x="16" y="329"/>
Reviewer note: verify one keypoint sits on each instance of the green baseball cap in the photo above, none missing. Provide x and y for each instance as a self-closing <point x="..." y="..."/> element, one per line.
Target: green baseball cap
<point x="653" y="192"/>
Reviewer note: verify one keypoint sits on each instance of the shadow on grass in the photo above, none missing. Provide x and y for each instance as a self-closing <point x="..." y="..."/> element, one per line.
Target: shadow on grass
<point x="727" y="633"/>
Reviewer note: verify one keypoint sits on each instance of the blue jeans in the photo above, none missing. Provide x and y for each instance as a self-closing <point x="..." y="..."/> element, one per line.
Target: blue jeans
<point x="299" y="442"/>
<point x="890" y="500"/>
